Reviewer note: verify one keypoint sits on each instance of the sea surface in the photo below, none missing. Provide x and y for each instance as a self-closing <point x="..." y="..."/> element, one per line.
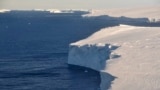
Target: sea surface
<point x="34" y="50"/>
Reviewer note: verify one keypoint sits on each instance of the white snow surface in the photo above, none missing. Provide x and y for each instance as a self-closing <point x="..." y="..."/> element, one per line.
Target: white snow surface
<point x="129" y="53"/>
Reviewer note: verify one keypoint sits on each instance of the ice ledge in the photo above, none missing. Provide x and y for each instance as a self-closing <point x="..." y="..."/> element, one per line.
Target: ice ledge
<point x="93" y="56"/>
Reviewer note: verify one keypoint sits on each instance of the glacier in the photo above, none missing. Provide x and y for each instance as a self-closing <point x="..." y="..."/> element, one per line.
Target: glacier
<point x="126" y="56"/>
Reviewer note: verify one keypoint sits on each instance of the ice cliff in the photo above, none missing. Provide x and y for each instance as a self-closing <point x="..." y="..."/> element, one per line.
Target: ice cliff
<point x="127" y="57"/>
<point x="91" y="56"/>
<point x="94" y="56"/>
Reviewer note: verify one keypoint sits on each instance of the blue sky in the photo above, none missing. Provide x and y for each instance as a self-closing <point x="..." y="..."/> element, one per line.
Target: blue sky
<point x="74" y="4"/>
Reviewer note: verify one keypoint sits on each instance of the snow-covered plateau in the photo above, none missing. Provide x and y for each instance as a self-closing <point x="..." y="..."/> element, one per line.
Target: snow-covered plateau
<point x="127" y="57"/>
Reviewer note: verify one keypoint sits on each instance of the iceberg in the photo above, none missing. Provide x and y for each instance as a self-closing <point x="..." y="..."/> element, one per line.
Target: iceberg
<point x="4" y="10"/>
<point x="127" y="57"/>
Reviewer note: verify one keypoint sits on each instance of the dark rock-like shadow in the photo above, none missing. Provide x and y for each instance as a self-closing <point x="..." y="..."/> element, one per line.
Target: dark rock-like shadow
<point x="103" y="79"/>
<point x="106" y="80"/>
<point x="80" y="82"/>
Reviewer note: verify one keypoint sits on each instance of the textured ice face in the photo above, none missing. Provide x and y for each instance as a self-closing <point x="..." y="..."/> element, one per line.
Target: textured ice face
<point x="91" y="56"/>
<point x="94" y="56"/>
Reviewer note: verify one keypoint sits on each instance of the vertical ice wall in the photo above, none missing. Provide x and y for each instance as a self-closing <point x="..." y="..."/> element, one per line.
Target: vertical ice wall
<point x="91" y="56"/>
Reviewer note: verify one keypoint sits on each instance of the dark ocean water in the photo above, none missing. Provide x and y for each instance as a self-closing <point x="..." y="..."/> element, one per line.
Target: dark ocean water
<point x="34" y="50"/>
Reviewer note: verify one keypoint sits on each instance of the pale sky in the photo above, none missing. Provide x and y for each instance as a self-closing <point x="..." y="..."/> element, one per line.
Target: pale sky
<point x="74" y="4"/>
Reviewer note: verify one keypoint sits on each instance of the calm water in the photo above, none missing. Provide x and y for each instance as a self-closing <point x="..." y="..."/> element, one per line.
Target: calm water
<point x="34" y="50"/>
